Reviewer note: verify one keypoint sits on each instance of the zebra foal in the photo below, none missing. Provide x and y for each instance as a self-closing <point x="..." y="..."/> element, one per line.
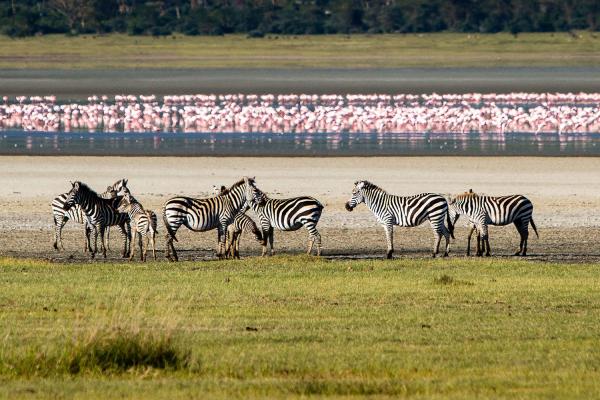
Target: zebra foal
<point x="406" y="211"/>
<point x="241" y="223"/>
<point x="100" y="213"/>
<point x="286" y="215"/>
<point x="143" y="222"/>
<point x="483" y="211"/>
<point x="204" y="214"/>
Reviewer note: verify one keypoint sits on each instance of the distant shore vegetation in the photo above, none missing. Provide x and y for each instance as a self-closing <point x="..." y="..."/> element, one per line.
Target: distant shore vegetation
<point x="257" y="18"/>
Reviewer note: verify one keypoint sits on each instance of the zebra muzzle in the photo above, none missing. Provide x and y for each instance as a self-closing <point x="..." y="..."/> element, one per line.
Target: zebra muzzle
<point x="348" y="207"/>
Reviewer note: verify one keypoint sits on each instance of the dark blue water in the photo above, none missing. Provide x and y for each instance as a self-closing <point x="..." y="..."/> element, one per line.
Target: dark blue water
<point x="268" y="144"/>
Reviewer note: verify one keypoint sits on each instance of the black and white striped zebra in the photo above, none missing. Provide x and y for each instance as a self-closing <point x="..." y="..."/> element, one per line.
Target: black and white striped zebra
<point x="242" y="223"/>
<point x="143" y="222"/>
<point x="405" y="211"/>
<point x="489" y="210"/>
<point x="286" y="215"/>
<point x="61" y="216"/>
<point x="204" y="214"/>
<point x="100" y="214"/>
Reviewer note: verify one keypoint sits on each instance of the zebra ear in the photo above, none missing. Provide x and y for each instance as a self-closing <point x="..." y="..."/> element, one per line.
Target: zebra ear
<point x="223" y="188"/>
<point x="125" y="180"/>
<point x="470" y="190"/>
<point x="72" y="184"/>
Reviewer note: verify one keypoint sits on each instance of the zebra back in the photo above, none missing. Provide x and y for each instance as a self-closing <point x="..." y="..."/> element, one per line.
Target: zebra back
<point x="285" y="214"/>
<point x="496" y="210"/>
<point x="202" y="214"/>
<point x="400" y="210"/>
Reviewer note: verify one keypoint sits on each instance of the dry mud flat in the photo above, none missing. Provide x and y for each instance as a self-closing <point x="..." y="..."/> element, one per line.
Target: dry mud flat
<point x="565" y="192"/>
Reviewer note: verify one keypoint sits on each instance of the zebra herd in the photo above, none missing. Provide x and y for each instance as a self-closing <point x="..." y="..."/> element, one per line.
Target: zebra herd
<point x="226" y="211"/>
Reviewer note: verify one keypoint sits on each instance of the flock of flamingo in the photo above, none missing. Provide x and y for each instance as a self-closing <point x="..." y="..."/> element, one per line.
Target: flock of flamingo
<point x="538" y="113"/>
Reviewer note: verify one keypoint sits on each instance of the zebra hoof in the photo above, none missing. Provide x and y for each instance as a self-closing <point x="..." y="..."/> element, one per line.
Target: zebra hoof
<point x="389" y="255"/>
<point x="488" y="255"/>
<point x="518" y="253"/>
<point x="445" y="254"/>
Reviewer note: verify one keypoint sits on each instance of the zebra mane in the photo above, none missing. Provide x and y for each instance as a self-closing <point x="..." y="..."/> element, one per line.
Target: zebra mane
<point x="240" y="183"/>
<point x="85" y="188"/>
<point x="467" y="195"/>
<point x="369" y="185"/>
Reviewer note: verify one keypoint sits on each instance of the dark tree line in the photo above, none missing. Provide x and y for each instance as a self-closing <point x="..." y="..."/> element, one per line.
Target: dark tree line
<point x="259" y="17"/>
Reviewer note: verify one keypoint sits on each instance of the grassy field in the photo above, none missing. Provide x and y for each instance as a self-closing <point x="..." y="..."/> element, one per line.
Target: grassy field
<point x="357" y="51"/>
<point x="297" y="326"/>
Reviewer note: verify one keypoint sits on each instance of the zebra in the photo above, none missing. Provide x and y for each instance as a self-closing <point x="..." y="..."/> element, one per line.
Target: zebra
<point x="405" y="211"/>
<point x="488" y="210"/>
<point x="241" y="223"/>
<point x="204" y="214"/>
<point x="100" y="213"/>
<point x="286" y="215"/>
<point x="61" y="217"/>
<point x="143" y="222"/>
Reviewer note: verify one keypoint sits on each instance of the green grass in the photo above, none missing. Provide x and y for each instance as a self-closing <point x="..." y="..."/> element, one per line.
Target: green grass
<point x="298" y="326"/>
<point x="356" y="51"/>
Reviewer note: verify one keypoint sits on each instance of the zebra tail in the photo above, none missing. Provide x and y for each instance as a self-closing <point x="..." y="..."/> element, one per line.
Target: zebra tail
<point x="167" y="226"/>
<point x="534" y="228"/>
<point x="450" y="225"/>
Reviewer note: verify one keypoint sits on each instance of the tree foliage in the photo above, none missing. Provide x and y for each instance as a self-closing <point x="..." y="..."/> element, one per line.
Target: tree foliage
<point x="297" y="17"/>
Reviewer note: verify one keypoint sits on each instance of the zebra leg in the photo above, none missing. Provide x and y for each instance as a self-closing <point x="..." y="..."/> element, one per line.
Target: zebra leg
<point x="436" y="246"/>
<point x="265" y="235"/>
<point x="145" y="248"/>
<point x="313" y="236"/>
<point x="485" y="240"/>
<point x="93" y="252"/>
<point x="57" y="233"/>
<point x="88" y="233"/>
<point x="236" y="245"/>
<point x="153" y="243"/>
<point x="125" y="230"/>
<point x="524" y="233"/>
<point x="271" y="238"/>
<point x="469" y="241"/>
<point x="389" y="234"/>
<point x="222" y="233"/>
<point x="446" y="234"/>
<point x="103" y="241"/>
<point x="108" y="238"/>
<point x="133" y="238"/>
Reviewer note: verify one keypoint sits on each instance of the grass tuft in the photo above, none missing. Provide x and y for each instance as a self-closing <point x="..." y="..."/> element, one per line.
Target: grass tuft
<point x="118" y="351"/>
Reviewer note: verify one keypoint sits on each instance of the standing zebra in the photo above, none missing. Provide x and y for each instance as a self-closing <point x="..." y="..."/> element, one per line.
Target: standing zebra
<point x="241" y="223"/>
<point x="201" y="215"/>
<point x="286" y="215"/>
<point x="487" y="210"/>
<point x="406" y="211"/>
<point x="142" y="222"/>
<point x="100" y="213"/>
<point x="62" y="216"/>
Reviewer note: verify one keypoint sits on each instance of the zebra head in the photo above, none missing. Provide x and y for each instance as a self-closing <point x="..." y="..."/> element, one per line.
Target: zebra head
<point x="357" y="196"/>
<point x="124" y="204"/>
<point x="120" y="186"/>
<point x="74" y="195"/>
<point x="254" y="196"/>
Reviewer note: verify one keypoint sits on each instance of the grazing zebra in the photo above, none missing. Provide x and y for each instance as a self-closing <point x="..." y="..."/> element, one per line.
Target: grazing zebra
<point x="142" y="222"/>
<point x="286" y="215"/>
<point x="61" y="217"/>
<point x="201" y="215"/>
<point x="487" y="210"/>
<point x="100" y="213"/>
<point x="241" y="223"/>
<point x="406" y="211"/>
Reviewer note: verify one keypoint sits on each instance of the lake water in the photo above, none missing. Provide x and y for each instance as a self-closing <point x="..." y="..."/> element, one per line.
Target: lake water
<point x="268" y="144"/>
